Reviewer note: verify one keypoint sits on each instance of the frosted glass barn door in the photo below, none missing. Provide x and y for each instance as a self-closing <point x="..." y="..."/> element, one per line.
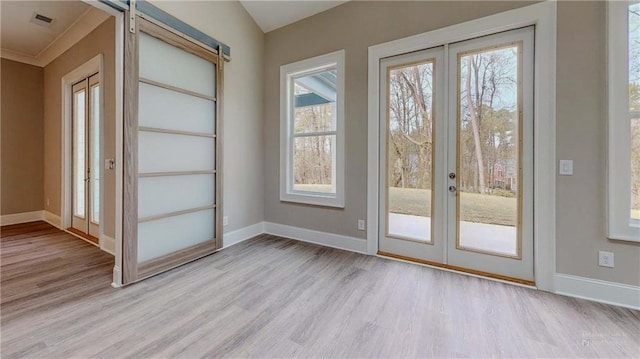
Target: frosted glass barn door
<point x="171" y="148"/>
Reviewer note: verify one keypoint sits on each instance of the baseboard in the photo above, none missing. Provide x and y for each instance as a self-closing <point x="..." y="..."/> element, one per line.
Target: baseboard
<point x="17" y="218"/>
<point x="52" y="219"/>
<point x="322" y="238"/>
<point x="242" y="234"/>
<point x="117" y="277"/>
<point x="108" y="244"/>
<point x="619" y="294"/>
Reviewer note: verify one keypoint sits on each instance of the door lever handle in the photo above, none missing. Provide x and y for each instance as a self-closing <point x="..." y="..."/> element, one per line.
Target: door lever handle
<point x="452" y="189"/>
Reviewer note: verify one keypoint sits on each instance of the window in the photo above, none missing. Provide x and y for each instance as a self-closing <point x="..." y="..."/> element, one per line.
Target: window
<point x="624" y="121"/>
<point x="312" y="131"/>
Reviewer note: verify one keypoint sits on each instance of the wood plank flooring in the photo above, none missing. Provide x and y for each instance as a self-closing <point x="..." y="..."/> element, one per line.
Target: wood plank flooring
<point x="275" y="297"/>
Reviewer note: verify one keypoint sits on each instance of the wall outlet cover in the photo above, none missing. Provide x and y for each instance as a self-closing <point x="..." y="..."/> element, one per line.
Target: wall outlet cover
<point x="605" y="259"/>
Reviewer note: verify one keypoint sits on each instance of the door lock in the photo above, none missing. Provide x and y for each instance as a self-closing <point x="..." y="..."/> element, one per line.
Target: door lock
<point x="452" y="189"/>
<point x="452" y="175"/>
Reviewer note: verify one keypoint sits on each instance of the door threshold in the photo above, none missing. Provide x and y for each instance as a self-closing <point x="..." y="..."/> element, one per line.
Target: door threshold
<point x="84" y="236"/>
<point x="473" y="272"/>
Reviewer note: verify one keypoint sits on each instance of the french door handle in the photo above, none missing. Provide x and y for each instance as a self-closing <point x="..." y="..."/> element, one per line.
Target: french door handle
<point x="452" y="189"/>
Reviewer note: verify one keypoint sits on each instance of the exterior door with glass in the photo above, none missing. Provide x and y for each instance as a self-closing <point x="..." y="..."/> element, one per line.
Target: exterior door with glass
<point x="86" y="157"/>
<point x="457" y="156"/>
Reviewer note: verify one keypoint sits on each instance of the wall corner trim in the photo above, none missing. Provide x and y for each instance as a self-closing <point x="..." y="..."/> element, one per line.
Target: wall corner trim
<point x="108" y="244"/>
<point x="623" y="295"/>
<point x="322" y="238"/>
<point x="52" y="219"/>
<point x="240" y="235"/>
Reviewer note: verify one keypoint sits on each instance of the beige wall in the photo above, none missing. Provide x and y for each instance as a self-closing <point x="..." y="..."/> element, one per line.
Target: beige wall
<point x="581" y="117"/>
<point x="22" y="137"/>
<point x="353" y="27"/>
<point x="582" y="136"/>
<point x="101" y="40"/>
<point x="242" y="122"/>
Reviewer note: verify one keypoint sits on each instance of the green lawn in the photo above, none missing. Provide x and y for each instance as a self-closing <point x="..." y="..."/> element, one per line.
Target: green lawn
<point x="474" y="207"/>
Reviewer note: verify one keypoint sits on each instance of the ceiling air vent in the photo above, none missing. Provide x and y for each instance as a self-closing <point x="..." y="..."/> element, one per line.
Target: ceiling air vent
<point x="41" y="20"/>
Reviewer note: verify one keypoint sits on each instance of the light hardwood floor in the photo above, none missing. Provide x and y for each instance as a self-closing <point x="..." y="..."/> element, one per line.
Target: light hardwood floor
<point x="274" y="297"/>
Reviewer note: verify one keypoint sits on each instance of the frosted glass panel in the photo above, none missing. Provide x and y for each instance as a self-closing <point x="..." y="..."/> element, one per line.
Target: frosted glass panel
<point x="161" y="195"/>
<point x="170" y="65"/>
<point x="167" y="235"/>
<point x="162" y="108"/>
<point x="161" y="152"/>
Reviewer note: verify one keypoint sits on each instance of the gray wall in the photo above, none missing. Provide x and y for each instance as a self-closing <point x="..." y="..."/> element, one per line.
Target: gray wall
<point x="581" y="110"/>
<point x="22" y="137"/>
<point x="229" y="22"/>
<point x="582" y="136"/>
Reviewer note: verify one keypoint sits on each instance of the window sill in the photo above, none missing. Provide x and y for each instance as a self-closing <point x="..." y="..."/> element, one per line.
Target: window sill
<point x="316" y="200"/>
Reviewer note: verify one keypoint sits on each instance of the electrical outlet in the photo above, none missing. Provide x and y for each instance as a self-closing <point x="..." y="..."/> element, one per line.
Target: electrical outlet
<point x="225" y="220"/>
<point x="605" y="259"/>
<point x="566" y="167"/>
<point x="361" y="224"/>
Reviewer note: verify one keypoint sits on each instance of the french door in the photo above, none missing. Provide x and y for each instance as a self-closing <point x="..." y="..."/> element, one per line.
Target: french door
<point x="172" y="191"/>
<point x="86" y="157"/>
<point x="457" y="155"/>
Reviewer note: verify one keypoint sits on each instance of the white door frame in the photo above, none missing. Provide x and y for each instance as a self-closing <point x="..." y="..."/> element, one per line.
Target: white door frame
<point x="82" y="72"/>
<point x="543" y="16"/>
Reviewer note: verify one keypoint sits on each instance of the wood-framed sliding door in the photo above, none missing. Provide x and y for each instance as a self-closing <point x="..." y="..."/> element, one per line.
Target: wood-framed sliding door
<point x="172" y="151"/>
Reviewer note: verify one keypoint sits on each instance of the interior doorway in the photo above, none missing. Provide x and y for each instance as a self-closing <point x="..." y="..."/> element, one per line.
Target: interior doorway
<point x="456" y="158"/>
<point x="85" y="158"/>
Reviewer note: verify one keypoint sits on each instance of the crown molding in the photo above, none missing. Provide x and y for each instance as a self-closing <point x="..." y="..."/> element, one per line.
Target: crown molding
<point x="84" y="25"/>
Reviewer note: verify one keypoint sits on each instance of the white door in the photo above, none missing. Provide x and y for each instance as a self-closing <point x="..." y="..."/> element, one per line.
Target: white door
<point x="86" y="156"/>
<point x="411" y="189"/>
<point x="480" y="167"/>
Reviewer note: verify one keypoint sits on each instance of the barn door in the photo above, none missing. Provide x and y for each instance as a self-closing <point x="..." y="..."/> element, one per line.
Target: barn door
<point x="172" y="151"/>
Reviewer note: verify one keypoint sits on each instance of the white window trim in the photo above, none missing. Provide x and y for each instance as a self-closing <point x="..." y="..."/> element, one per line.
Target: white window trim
<point x="619" y="225"/>
<point x="287" y="73"/>
<point x="543" y="16"/>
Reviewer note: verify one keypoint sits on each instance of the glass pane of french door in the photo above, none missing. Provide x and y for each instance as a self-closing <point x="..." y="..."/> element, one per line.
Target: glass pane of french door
<point x="79" y="150"/>
<point x="94" y="111"/>
<point x="488" y="149"/>
<point x="410" y="152"/>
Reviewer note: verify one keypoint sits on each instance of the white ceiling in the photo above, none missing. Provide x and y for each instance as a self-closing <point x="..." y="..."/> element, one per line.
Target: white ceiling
<point x="23" y="37"/>
<point x="270" y="15"/>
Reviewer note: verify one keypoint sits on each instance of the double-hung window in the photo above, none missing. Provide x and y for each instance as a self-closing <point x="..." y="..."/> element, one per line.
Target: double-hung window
<point x="624" y="120"/>
<point x="312" y="131"/>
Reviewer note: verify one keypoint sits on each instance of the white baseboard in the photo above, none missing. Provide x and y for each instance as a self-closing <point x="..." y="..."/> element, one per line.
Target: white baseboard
<point x="17" y="218"/>
<point x="52" y="219"/>
<point x="322" y="238"/>
<point x="108" y="244"/>
<point x="117" y="277"/>
<point x="242" y="234"/>
<point x="619" y="294"/>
